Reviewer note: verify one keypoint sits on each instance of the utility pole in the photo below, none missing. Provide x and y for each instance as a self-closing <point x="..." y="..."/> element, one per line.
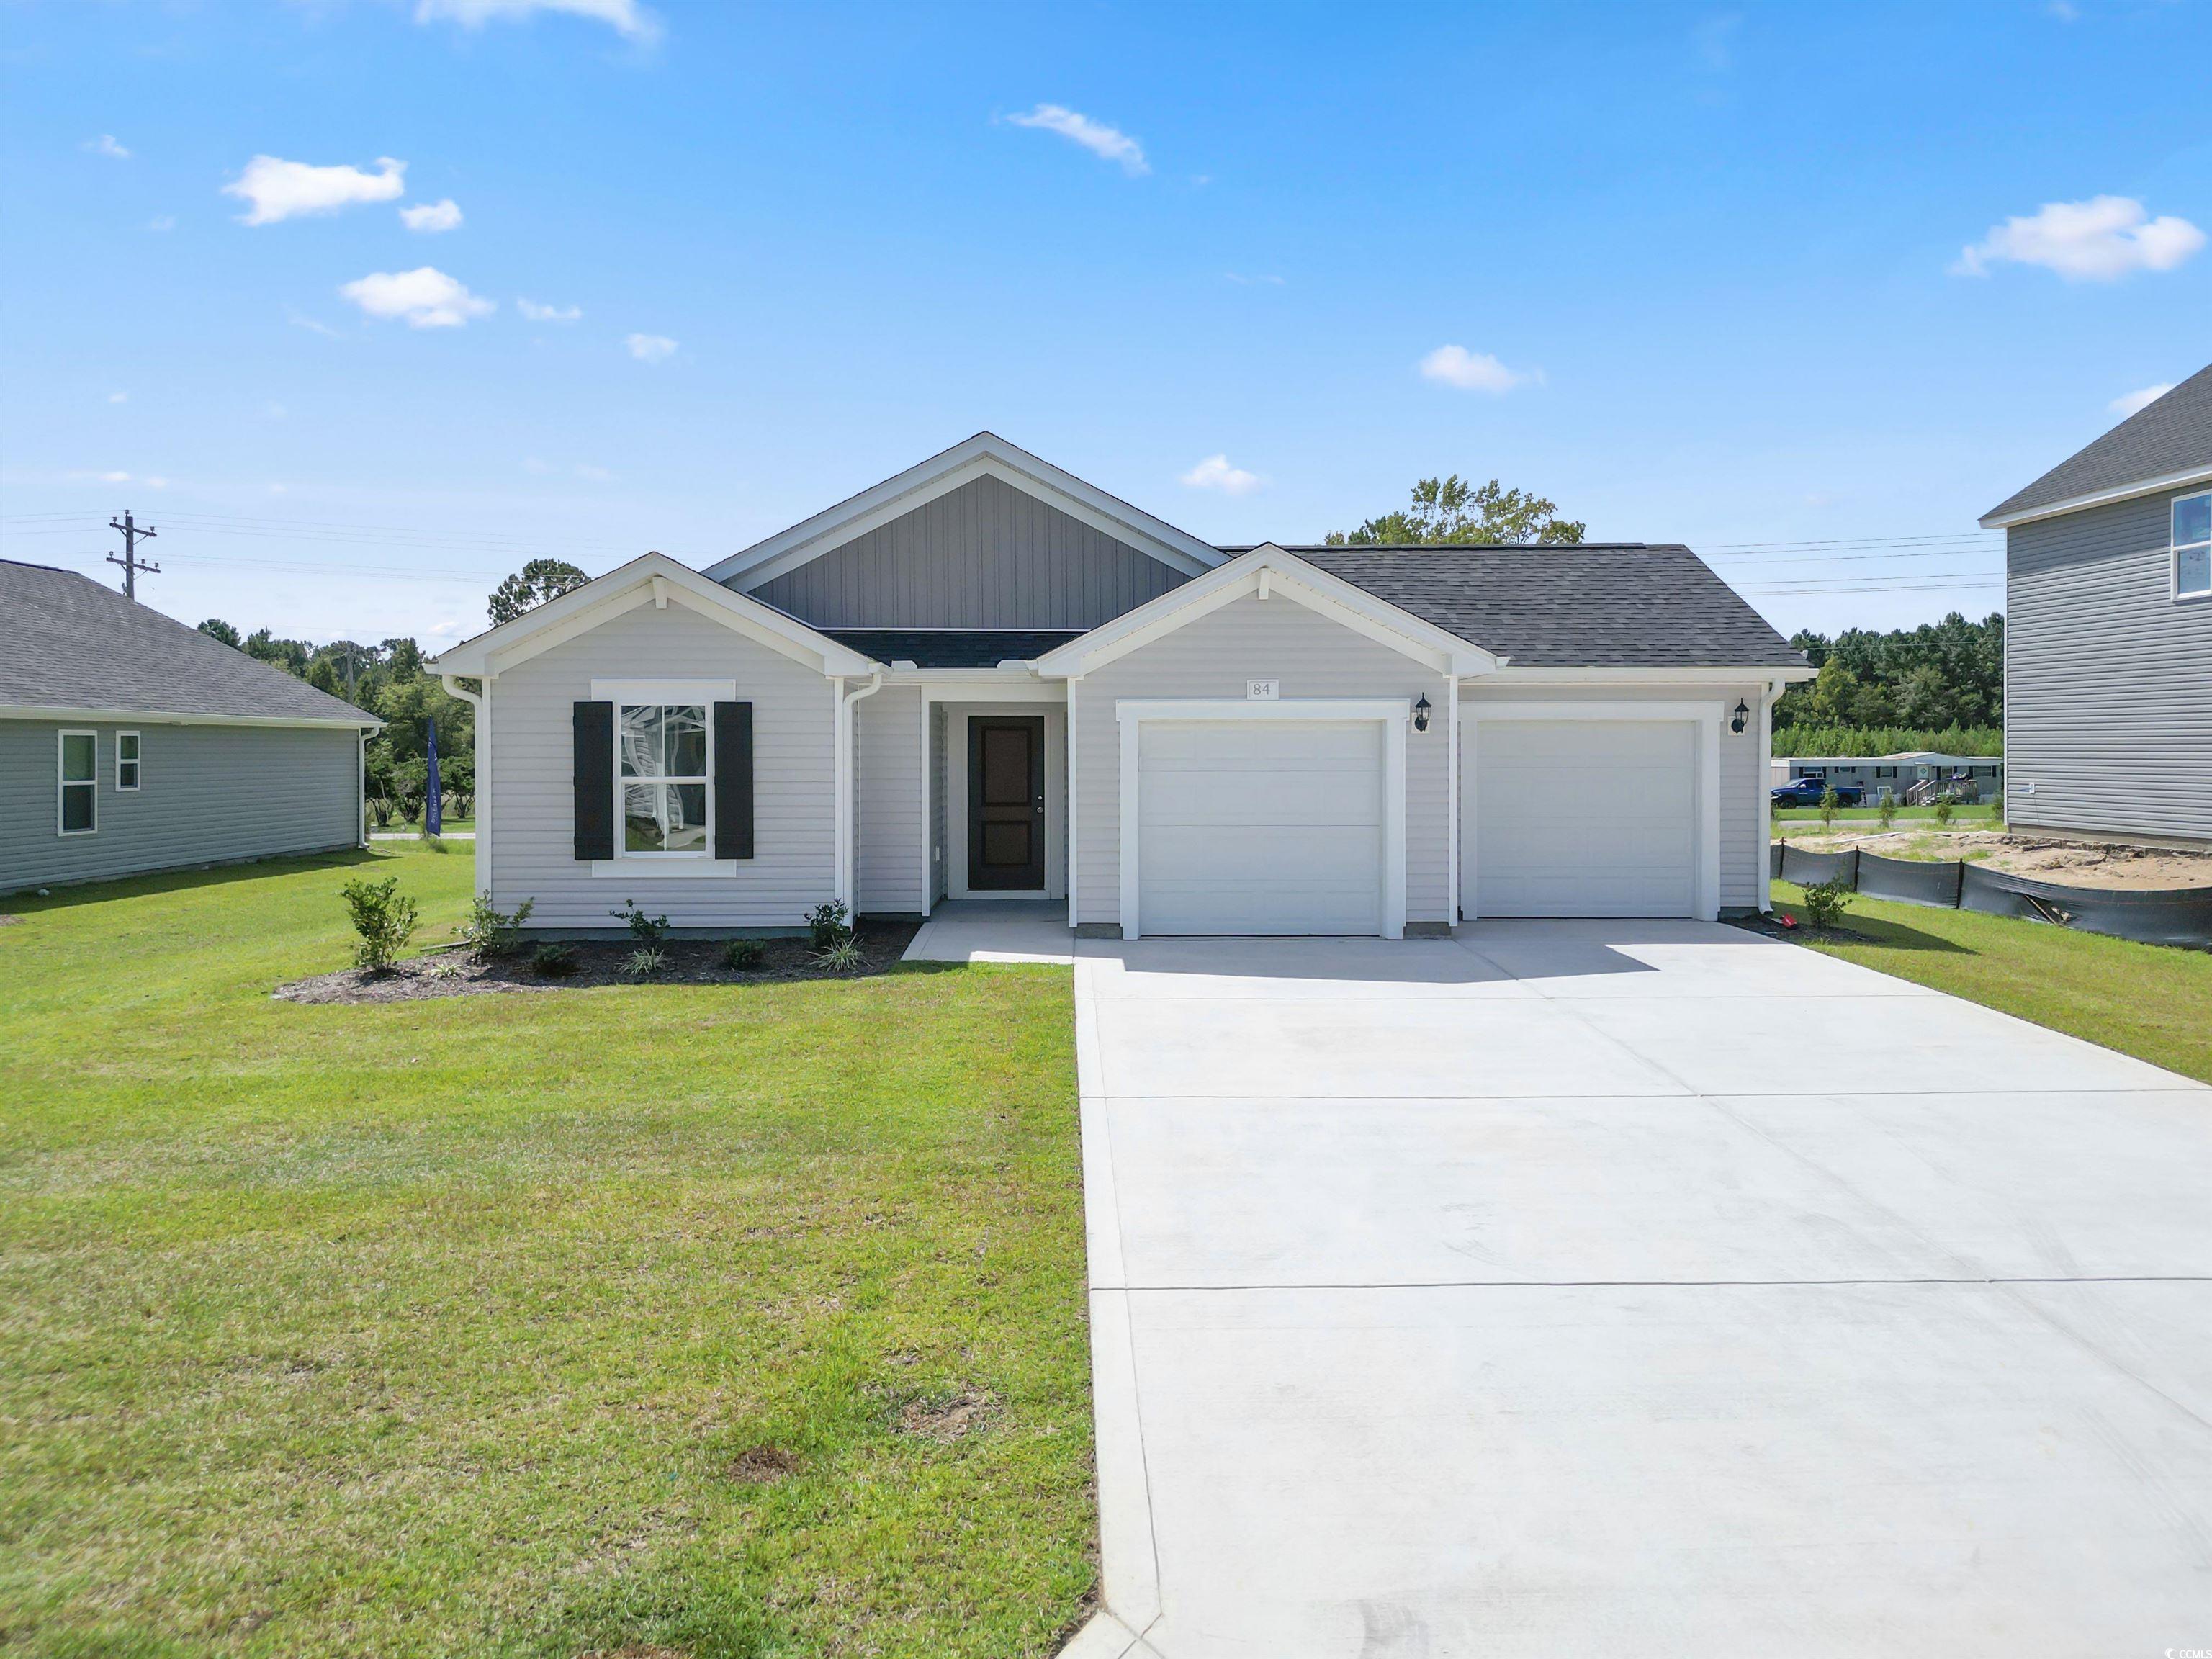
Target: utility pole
<point x="132" y="563"/>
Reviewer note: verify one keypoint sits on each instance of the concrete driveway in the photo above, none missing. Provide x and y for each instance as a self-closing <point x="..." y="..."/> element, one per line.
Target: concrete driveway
<point x="1586" y="1288"/>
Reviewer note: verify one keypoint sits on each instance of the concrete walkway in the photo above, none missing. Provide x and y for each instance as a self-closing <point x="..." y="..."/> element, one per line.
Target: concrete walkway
<point x="1581" y="1288"/>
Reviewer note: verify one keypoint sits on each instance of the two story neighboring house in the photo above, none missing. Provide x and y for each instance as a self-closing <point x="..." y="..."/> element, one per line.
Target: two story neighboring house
<point x="2108" y="632"/>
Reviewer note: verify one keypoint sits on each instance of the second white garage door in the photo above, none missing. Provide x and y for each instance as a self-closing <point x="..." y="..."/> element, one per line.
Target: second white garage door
<point x="1260" y="826"/>
<point x="1585" y="818"/>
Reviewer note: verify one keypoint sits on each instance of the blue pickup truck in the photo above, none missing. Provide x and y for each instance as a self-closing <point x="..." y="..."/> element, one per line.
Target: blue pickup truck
<point x="1806" y="792"/>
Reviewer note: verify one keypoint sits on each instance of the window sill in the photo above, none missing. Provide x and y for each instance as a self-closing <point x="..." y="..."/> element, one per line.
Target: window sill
<point x="666" y="869"/>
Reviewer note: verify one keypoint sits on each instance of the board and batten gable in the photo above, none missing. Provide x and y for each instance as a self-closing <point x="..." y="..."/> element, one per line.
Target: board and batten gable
<point x="1310" y="656"/>
<point x="985" y="554"/>
<point x="207" y="794"/>
<point x="2108" y="680"/>
<point x="533" y="855"/>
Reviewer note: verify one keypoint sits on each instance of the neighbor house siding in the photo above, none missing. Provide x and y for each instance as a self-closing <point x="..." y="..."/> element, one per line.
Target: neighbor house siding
<point x="2108" y="681"/>
<point x="533" y="803"/>
<point x="983" y="556"/>
<point x="1252" y="638"/>
<point x="888" y="794"/>
<point x="207" y="794"/>
<point x="1743" y="768"/>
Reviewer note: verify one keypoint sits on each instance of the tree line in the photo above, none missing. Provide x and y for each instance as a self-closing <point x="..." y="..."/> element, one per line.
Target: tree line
<point x="1938" y="686"/>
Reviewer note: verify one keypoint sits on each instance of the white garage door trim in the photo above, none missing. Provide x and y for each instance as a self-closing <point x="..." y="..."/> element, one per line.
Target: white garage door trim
<point x="1706" y="716"/>
<point x="1393" y="713"/>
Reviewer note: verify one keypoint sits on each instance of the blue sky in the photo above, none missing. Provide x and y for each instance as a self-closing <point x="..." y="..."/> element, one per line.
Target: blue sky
<point x="1695" y="273"/>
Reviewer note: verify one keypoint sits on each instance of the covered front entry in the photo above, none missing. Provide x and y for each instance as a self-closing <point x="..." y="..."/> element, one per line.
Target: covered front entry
<point x="1006" y="803"/>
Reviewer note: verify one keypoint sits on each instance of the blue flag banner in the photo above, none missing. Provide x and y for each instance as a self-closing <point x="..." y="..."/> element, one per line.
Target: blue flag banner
<point x="434" y="813"/>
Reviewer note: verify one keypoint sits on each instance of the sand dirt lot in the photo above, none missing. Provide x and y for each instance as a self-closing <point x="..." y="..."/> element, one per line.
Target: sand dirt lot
<point x="2073" y="863"/>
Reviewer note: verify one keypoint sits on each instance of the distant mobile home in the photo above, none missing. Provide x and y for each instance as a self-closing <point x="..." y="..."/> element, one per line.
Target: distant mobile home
<point x="1972" y="776"/>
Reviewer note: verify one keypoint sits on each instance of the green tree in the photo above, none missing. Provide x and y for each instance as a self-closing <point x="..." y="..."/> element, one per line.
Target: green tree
<point x="217" y="629"/>
<point x="531" y="586"/>
<point x="290" y="655"/>
<point x="403" y="657"/>
<point x="324" y="677"/>
<point x="1451" y="511"/>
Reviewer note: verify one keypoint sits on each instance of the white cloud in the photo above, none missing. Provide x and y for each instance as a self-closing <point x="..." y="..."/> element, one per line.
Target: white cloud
<point x="2098" y="241"/>
<point x="106" y="145"/>
<point x="625" y="17"/>
<point x="2136" y="402"/>
<point x="311" y="325"/>
<point x="533" y="464"/>
<point x="1247" y="281"/>
<point x="426" y="297"/>
<point x="1108" y="143"/>
<point x="2064" y="11"/>
<point x="125" y="396"/>
<point x="155" y="483"/>
<point x="284" y="189"/>
<point x="166" y="222"/>
<point x="538" y="314"/>
<point x="115" y="477"/>
<point x="1214" y="472"/>
<point x="432" y="216"/>
<point x="650" y="348"/>
<point x="594" y="474"/>
<point x="1475" y="371"/>
<point x="275" y="411"/>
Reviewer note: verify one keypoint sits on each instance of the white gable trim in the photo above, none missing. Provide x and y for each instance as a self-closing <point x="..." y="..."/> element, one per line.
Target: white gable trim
<point x="654" y="579"/>
<point x="1268" y="572"/>
<point x="984" y="455"/>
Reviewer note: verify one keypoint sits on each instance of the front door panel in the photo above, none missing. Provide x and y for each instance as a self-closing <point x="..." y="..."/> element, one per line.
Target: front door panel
<point x="1006" y="803"/>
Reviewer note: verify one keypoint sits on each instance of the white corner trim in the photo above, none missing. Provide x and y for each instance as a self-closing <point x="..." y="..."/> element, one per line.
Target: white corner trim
<point x="1708" y="718"/>
<point x="663" y="691"/>
<point x="1394" y="713"/>
<point x="2194" y="475"/>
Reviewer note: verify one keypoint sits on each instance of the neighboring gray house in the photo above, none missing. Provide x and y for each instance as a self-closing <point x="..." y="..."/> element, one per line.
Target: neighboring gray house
<point x="129" y="743"/>
<point x="2108" y="632"/>
<point x="986" y="678"/>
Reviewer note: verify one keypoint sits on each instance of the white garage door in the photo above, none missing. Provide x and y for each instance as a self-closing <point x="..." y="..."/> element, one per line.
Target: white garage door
<point x="1585" y="818"/>
<point x="1260" y="826"/>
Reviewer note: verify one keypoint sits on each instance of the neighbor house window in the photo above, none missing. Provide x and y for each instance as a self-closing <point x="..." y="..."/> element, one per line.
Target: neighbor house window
<point x="662" y="752"/>
<point x="80" y="783"/>
<point x="2192" y="546"/>
<point x="126" y="760"/>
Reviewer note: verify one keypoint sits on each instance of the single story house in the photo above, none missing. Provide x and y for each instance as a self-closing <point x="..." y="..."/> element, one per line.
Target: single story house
<point x="129" y="743"/>
<point x="2108" y="632"/>
<point x="986" y="678"/>
<point x="1972" y="776"/>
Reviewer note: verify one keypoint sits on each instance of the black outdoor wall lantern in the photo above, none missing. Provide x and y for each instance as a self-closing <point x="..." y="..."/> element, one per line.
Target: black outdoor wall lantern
<point x="1421" y="714"/>
<point x="1740" y="718"/>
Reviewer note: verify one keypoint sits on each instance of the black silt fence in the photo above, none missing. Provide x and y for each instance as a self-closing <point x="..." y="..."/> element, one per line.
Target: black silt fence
<point x="1911" y="881"/>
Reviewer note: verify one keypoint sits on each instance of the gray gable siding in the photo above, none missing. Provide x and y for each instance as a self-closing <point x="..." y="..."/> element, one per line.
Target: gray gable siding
<point x="2108" y="681"/>
<point x="207" y="794"/>
<point x="983" y="556"/>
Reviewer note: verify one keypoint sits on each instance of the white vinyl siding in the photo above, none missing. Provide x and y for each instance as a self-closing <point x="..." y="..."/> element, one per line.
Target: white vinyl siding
<point x="888" y="786"/>
<point x="794" y="783"/>
<point x="1252" y="638"/>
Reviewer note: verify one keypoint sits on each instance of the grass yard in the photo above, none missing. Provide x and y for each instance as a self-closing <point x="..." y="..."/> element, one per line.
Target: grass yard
<point x="719" y="1320"/>
<point x="2149" y="1000"/>
<point x="1980" y="818"/>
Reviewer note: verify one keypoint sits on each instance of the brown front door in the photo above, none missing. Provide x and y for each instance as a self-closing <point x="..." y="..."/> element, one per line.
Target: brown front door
<point x="1005" y="802"/>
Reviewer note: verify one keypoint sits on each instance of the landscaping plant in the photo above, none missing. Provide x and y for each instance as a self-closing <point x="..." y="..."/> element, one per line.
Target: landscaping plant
<point x="1886" y="812"/>
<point x="490" y="931"/>
<point x="1943" y="805"/>
<point x="384" y="919"/>
<point x="828" y="924"/>
<point x="746" y="953"/>
<point x="647" y="931"/>
<point x="1829" y="803"/>
<point x="844" y="956"/>
<point x="551" y="961"/>
<point x="644" y="963"/>
<point x="1825" y="904"/>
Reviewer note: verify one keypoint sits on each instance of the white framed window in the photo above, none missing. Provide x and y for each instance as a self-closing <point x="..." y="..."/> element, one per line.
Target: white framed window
<point x="126" y="760"/>
<point x="2192" y="546"/>
<point x="663" y="762"/>
<point x="76" y="813"/>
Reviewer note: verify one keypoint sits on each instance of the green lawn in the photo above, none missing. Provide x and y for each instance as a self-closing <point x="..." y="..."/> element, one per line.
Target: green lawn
<point x="1961" y="816"/>
<point x="2148" y="1000"/>
<point x="443" y="1327"/>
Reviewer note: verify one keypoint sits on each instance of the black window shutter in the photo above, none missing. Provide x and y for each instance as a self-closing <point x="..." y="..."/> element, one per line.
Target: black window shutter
<point x="595" y="780"/>
<point x="733" y="780"/>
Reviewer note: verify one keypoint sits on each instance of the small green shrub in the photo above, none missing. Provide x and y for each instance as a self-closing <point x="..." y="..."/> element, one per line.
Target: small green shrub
<point x="488" y="931"/>
<point x="647" y="931"/>
<point x="1944" y="803"/>
<point x="551" y="961"/>
<point x="841" y="956"/>
<point x="644" y="962"/>
<point x="746" y="953"/>
<point x="1825" y="904"/>
<point x="828" y="924"/>
<point x="383" y="917"/>
<point x="379" y="812"/>
<point x="1830" y="802"/>
<point x="1886" y="811"/>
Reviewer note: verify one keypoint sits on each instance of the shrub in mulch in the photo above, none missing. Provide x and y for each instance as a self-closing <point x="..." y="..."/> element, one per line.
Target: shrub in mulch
<point x="579" y="964"/>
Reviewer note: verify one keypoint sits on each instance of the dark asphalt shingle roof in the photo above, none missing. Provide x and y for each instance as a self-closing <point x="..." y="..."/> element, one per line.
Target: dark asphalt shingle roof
<point x="958" y="648"/>
<point x="1618" y="605"/>
<point x="68" y="642"/>
<point x="2170" y="435"/>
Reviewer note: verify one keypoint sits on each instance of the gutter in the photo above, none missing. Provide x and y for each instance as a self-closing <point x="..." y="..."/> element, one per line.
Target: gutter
<point x="848" y="815"/>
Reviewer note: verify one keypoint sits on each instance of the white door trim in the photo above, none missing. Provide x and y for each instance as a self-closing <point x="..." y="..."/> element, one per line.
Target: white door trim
<point x="1706" y="716"/>
<point x="1395" y="714"/>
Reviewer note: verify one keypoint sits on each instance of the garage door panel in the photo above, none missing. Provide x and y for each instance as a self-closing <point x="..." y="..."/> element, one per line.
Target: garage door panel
<point x="1259" y="826"/>
<point x="1585" y="818"/>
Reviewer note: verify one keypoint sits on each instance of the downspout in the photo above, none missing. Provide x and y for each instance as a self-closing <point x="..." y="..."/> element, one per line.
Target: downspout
<point x="848" y="803"/>
<point x="481" y="702"/>
<point x="361" y="781"/>
<point x="1768" y="691"/>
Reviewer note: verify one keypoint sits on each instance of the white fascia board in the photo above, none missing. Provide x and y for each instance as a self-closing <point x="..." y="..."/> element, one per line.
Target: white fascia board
<point x="31" y="711"/>
<point x="1719" y="674"/>
<point x="654" y="579"/>
<point x="2195" y="474"/>
<point x="1270" y="570"/>
<point x="985" y="455"/>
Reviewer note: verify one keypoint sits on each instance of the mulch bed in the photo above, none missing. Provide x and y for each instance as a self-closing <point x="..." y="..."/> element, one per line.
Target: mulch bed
<point x="1775" y="927"/>
<point x="598" y="962"/>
